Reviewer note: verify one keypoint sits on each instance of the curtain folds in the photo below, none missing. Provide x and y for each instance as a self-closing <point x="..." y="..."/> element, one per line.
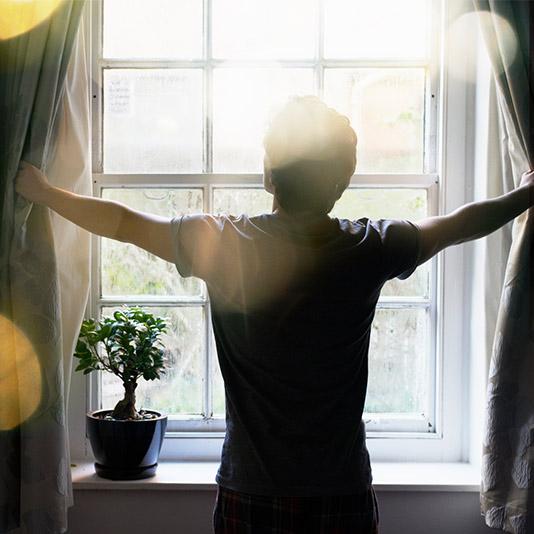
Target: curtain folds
<point x="43" y="283"/>
<point x="507" y="491"/>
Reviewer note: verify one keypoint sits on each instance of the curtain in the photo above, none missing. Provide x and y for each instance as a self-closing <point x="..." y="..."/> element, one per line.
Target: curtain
<point x="70" y="169"/>
<point x="487" y="257"/>
<point x="36" y="284"/>
<point x="507" y="490"/>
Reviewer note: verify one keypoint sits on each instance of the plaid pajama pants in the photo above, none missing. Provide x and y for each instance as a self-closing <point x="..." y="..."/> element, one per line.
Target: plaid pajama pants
<point x="241" y="513"/>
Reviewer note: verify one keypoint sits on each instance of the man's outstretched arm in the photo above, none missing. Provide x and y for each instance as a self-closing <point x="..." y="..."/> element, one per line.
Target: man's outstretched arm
<point x="474" y="220"/>
<point x="105" y="218"/>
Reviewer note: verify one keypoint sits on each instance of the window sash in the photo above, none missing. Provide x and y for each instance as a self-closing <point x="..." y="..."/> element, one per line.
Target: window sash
<point x="181" y="426"/>
<point x="318" y="64"/>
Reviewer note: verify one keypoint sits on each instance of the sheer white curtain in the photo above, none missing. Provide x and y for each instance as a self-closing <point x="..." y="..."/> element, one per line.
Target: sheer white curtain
<point x="487" y="257"/>
<point x="486" y="261"/>
<point x="71" y="170"/>
<point x="45" y="485"/>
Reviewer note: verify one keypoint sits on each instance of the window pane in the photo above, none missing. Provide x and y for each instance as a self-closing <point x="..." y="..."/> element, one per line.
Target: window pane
<point x="376" y="29"/>
<point x="179" y="391"/>
<point x="218" y="399"/>
<point x="243" y="100"/>
<point x="382" y="203"/>
<point x="398" y="362"/>
<point x="264" y="29"/>
<point x="388" y="203"/>
<point x="234" y="201"/>
<point x="152" y="120"/>
<point x="130" y="270"/>
<point x="386" y="109"/>
<point x="153" y="29"/>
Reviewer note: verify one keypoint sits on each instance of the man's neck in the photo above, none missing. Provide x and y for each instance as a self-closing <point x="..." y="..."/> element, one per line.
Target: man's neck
<point x="301" y="216"/>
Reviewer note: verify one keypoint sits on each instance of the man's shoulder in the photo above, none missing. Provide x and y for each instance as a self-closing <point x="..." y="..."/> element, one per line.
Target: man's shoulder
<point x="218" y="219"/>
<point x="362" y="222"/>
<point x="353" y="227"/>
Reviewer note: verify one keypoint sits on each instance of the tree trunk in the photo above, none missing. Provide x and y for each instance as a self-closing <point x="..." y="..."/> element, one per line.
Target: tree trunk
<point x="125" y="409"/>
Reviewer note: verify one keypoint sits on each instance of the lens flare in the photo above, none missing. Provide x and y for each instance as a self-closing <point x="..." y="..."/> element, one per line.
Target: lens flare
<point x="20" y="16"/>
<point x="503" y="43"/>
<point x="20" y="376"/>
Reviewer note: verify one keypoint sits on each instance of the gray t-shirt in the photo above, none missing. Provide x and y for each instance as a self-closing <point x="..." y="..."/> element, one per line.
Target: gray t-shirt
<point x="292" y="306"/>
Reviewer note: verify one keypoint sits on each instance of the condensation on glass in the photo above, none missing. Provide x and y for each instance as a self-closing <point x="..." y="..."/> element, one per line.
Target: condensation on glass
<point x="152" y="120"/>
<point x="130" y="270"/>
<point x="398" y="362"/>
<point x="386" y="109"/>
<point x="237" y="201"/>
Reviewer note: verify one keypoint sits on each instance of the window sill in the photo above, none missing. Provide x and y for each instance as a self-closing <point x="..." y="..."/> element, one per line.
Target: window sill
<point x="200" y="476"/>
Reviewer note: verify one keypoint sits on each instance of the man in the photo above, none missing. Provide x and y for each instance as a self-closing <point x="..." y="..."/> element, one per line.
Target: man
<point x="293" y="296"/>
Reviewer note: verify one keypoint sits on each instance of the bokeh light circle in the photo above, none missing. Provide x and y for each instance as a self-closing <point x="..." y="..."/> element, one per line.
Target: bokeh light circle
<point x="503" y="43"/>
<point x="20" y="16"/>
<point x="20" y="376"/>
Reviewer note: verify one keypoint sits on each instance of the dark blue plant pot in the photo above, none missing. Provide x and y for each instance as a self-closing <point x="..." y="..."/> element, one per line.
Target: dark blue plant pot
<point x="126" y="450"/>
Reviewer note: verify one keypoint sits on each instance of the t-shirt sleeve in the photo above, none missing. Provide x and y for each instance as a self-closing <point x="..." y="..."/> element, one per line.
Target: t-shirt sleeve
<point x="196" y="240"/>
<point x="400" y="247"/>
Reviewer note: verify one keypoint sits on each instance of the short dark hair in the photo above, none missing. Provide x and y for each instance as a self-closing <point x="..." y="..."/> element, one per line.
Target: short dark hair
<point x="311" y="150"/>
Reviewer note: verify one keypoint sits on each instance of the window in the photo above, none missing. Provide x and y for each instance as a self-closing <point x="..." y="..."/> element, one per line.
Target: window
<point x="185" y="89"/>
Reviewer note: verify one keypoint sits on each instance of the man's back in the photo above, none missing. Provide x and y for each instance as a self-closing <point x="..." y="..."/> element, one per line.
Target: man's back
<point x="292" y="306"/>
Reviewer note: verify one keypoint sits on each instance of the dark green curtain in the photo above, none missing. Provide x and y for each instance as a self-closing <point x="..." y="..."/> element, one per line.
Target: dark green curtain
<point x="35" y="490"/>
<point x="507" y="490"/>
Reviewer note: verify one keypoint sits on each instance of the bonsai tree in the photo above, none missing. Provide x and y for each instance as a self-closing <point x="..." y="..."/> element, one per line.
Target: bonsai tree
<point x="132" y="349"/>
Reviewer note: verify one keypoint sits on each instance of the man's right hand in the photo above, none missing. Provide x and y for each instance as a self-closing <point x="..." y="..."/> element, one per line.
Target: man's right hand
<point x="527" y="178"/>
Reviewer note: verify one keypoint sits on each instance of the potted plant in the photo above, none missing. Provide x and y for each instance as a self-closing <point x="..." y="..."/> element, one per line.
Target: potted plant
<point x="126" y="443"/>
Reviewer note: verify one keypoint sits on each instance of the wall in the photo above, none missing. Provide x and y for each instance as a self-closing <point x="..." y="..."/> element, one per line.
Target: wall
<point x="183" y="512"/>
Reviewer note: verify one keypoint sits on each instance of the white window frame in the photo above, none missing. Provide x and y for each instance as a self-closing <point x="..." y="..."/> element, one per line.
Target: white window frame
<point x="431" y="440"/>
